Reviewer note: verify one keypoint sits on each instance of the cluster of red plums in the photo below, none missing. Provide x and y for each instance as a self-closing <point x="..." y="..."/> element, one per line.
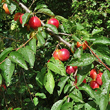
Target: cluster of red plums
<point x="84" y="45"/>
<point x="63" y="55"/>
<point x="35" y="22"/>
<point x="96" y="79"/>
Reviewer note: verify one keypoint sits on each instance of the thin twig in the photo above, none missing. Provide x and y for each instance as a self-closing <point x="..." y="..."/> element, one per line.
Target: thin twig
<point x="57" y="36"/>
<point x="32" y="3"/>
<point x="65" y="34"/>
<point x="18" y="49"/>
<point x="8" y="38"/>
<point x="97" y="57"/>
<point x="24" y="44"/>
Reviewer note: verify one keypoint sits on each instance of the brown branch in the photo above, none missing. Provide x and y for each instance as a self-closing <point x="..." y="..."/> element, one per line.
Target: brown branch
<point x="32" y="4"/>
<point x="62" y="40"/>
<point x="18" y="49"/>
<point x="24" y="44"/>
<point x="57" y="36"/>
<point x="97" y="57"/>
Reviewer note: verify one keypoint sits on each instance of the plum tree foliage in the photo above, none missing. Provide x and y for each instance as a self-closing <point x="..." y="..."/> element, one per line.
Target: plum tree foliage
<point x="31" y="77"/>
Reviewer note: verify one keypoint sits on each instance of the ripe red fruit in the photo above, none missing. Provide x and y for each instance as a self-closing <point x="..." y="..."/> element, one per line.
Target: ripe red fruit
<point x="55" y="54"/>
<point x="17" y="16"/>
<point x="54" y="22"/>
<point x="94" y="84"/>
<point x="10" y="108"/>
<point x="20" y="19"/>
<point x="99" y="79"/>
<point x="34" y="22"/>
<point x="5" y="7"/>
<point x="93" y="73"/>
<point x="70" y="69"/>
<point x="3" y="86"/>
<point x="83" y="45"/>
<point x="64" y="54"/>
<point x="84" y="81"/>
<point x="78" y="44"/>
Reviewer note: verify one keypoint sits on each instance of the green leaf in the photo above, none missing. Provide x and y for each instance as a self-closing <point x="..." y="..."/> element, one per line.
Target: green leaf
<point x="102" y="56"/>
<point x="40" y="6"/>
<point x="28" y="55"/>
<point x="17" y="58"/>
<point x="72" y="47"/>
<point x="79" y="26"/>
<point x="88" y="89"/>
<point x="44" y="34"/>
<point x="35" y="100"/>
<point x="52" y="27"/>
<point x="104" y="96"/>
<point x="7" y="68"/>
<point x="57" y="105"/>
<point x="12" y="8"/>
<point x="41" y="95"/>
<point x="24" y="1"/>
<point x="84" y="60"/>
<point x="78" y="106"/>
<point x="61" y="84"/>
<point x="1" y="42"/>
<point x="76" y="38"/>
<point x="32" y="45"/>
<point x="40" y="77"/>
<point x="75" y="98"/>
<point x="82" y="73"/>
<point x="90" y="106"/>
<point x="40" y="38"/>
<point x="0" y="79"/>
<point x="102" y="40"/>
<point x="67" y="106"/>
<point x="49" y="82"/>
<point x="77" y="93"/>
<point x="25" y="18"/>
<point x="78" y="53"/>
<point x="57" y="66"/>
<point x="46" y="11"/>
<point x="95" y="31"/>
<point x="4" y="54"/>
<point x="61" y="18"/>
<point x="66" y="88"/>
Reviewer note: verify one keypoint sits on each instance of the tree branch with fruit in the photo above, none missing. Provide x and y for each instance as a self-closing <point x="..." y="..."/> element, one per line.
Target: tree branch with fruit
<point x="37" y="66"/>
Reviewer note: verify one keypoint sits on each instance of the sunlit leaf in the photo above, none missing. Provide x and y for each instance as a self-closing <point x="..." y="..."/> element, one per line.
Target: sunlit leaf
<point x="102" y="40"/>
<point x="4" y="54"/>
<point x="49" y="82"/>
<point x="28" y="55"/>
<point x="17" y="58"/>
<point x="52" y="27"/>
<point x="40" y="38"/>
<point x="46" y="11"/>
<point x="35" y="100"/>
<point x="84" y="60"/>
<point x="7" y="68"/>
<point x="57" y="105"/>
<point x="57" y="66"/>
<point x="75" y="98"/>
<point x="41" y="95"/>
<point x="61" y="84"/>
